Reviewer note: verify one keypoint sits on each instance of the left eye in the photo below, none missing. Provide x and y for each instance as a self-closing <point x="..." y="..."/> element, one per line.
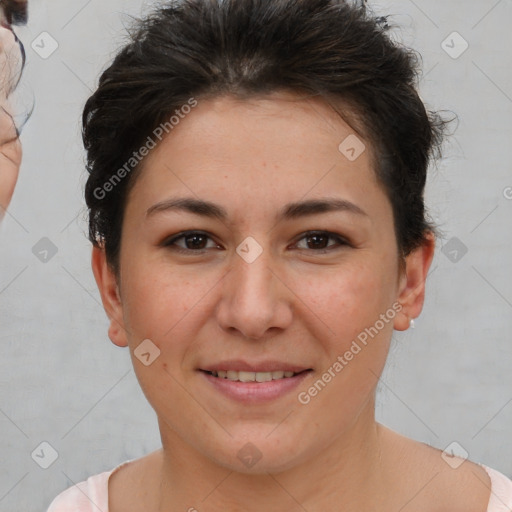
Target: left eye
<point x="319" y="237"/>
<point x="195" y="241"/>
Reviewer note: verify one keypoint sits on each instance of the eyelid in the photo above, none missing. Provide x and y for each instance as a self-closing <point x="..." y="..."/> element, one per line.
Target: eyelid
<point x="340" y="240"/>
<point x="170" y="241"/>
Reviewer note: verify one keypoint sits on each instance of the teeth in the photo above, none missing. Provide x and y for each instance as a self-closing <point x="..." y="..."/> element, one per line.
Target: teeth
<point x="251" y="376"/>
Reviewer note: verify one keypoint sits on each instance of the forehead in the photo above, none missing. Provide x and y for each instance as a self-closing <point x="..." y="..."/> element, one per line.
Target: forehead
<point x="281" y="120"/>
<point x="274" y="148"/>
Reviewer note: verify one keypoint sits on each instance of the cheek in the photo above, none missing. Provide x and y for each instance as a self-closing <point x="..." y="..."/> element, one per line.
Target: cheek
<point x="155" y="307"/>
<point x="350" y="303"/>
<point x="166" y="305"/>
<point x="349" y="298"/>
<point x="155" y="297"/>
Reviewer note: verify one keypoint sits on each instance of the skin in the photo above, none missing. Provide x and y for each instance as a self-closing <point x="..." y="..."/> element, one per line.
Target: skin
<point x="291" y="304"/>
<point x="10" y="146"/>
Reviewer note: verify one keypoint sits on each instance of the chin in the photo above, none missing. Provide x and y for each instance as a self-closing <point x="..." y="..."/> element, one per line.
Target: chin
<point x="257" y="454"/>
<point x="253" y="461"/>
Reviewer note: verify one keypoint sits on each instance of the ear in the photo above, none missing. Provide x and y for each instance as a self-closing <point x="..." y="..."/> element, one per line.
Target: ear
<point x="109" y="291"/>
<point x="411" y="293"/>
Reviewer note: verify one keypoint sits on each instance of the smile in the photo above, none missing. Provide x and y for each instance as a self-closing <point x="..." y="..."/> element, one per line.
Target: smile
<point x="242" y="376"/>
<point x="250" y="387"/>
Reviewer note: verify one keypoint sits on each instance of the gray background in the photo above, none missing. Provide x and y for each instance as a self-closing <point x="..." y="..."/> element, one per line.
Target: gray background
<point x="63" y="382"/>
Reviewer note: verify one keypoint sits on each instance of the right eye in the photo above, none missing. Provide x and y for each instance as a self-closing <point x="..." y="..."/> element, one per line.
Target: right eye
<point x="194" y="242"/>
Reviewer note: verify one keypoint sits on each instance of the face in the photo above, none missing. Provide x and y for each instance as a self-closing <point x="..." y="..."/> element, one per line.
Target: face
<point x="10" y="147"/>
<point x="263" y="287"/>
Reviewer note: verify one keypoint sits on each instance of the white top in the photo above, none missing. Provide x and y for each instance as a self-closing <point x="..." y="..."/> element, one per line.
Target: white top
<point x="91" y="495"/>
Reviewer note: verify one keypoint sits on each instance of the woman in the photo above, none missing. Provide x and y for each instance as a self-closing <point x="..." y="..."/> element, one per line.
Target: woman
<point x="256" y="177"/>
<point x="12" y="60"/>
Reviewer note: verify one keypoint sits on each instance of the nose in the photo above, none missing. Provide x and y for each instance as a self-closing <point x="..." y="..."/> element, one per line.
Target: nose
<point x="255" y="301"/>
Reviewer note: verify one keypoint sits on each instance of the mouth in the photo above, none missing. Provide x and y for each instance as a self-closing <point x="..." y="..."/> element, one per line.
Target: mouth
<point x="244" y="376"/>
<point x="254" y="387"/>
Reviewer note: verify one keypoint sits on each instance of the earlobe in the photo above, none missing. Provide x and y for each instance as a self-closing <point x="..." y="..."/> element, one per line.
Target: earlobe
<point x="110" y="297"/>
<point x="412" y="283"/>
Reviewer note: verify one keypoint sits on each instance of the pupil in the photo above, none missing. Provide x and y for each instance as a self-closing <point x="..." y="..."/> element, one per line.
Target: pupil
<point x="195" y="237"/>
<point x="196" y="243"/>
<point x="316" y="237"/>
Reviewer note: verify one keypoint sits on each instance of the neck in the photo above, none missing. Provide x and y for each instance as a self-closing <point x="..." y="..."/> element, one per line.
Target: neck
<point x="346" y="475"/>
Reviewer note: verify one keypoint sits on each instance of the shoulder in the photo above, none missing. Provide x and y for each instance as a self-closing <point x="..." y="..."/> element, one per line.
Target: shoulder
<point x="501" y="491"/>
<point x="430" y="480"/>
<point x="136" y="486"/>
<point x="464" y="485"/>
<point x="91" y="495"/>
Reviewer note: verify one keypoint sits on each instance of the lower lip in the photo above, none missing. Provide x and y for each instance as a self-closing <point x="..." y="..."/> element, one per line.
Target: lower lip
<point x="256" y="392"/>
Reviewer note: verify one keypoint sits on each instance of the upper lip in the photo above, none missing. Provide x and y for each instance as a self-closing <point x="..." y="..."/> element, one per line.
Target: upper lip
<point x="244" y="366"/>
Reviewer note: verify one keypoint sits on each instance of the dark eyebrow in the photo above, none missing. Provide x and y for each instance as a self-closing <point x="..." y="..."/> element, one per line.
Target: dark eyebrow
<point x="289" y="211"/>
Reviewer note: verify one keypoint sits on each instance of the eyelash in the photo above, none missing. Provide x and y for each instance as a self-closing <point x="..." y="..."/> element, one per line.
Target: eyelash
<point x="170" y="242"/>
